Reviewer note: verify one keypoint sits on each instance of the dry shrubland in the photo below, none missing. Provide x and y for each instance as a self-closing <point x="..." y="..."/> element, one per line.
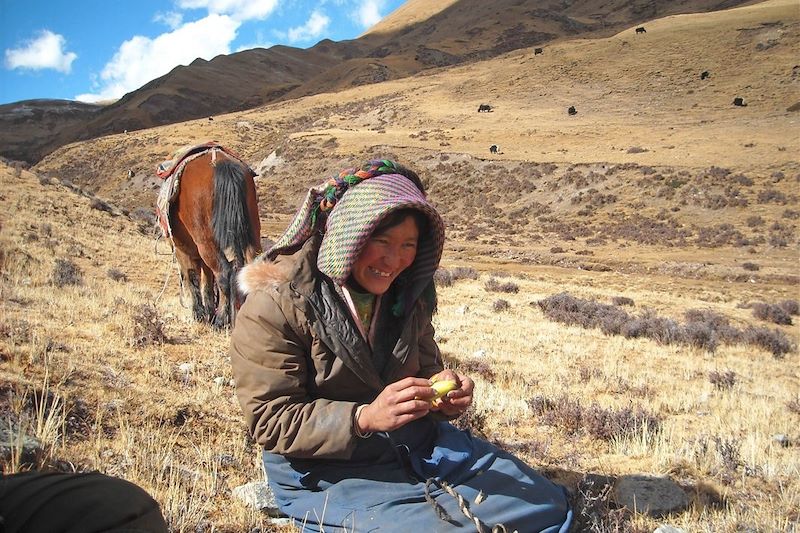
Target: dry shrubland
<point x="622" y="317"/>
<point x="106" y="375"/>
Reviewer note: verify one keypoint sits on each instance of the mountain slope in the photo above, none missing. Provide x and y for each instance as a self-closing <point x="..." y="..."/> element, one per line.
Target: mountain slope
<point x="416" y="37"/>
<point x="31" y="129"/>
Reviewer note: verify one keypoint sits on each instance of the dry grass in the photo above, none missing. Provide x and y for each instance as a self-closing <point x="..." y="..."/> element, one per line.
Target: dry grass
<point x="709" y="435"/>
<point x="94" y="371"/>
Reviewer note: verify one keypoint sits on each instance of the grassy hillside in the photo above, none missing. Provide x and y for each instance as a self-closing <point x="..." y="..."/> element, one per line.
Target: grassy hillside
<point x="621" y="283"/>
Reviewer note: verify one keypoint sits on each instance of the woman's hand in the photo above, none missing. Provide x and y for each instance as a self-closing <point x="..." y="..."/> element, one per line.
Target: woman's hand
<point x="457" y="401"/>
<point x="398" y="404"/>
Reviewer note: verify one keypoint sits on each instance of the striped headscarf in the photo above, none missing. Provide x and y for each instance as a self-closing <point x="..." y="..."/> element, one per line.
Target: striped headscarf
<point x="348" y="208"/>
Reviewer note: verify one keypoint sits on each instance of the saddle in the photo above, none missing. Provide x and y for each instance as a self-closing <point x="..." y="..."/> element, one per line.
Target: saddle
<point x="166" y="168"/>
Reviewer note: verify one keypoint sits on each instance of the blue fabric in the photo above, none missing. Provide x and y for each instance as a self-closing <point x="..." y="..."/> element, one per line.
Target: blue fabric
<point x="387" y="491"/>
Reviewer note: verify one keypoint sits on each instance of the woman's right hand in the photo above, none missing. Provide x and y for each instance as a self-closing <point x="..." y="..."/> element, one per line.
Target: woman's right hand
<point x="398" y="404"/>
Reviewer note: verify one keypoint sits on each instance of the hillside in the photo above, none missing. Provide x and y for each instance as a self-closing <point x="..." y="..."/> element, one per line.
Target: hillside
<point x="415" y="38"/>
<point x="642" y="152"/>
<point x="31" y="129"/>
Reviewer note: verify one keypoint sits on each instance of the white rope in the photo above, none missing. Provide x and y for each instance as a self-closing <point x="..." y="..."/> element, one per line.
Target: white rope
<point x="166" y="279"/>
<point x="463" y="506"/>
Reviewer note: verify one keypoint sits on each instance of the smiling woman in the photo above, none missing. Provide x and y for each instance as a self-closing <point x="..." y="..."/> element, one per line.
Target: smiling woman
<point x="389" y="251"/>
<point x="335" y="363"/>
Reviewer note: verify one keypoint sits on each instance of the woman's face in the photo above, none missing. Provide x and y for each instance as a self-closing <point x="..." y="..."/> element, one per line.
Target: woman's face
<point x="386" y="255"/>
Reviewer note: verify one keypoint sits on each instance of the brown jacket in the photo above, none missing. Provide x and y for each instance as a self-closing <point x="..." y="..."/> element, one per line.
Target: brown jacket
<point x="302" y="367"/>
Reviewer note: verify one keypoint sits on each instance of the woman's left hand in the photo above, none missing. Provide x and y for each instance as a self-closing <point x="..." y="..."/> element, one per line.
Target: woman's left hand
<point x="456" y="401"/>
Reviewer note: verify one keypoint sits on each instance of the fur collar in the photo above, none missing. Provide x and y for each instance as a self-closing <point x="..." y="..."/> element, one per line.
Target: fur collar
<point x="261" y="275"/>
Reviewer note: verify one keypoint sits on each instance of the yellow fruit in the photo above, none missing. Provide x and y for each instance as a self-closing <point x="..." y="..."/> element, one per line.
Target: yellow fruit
<point x="443" y="387"/>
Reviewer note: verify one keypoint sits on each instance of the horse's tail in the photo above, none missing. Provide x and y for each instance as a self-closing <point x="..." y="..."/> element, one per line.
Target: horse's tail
<point x="229" y="217"/>
<point x="232" y="227"/>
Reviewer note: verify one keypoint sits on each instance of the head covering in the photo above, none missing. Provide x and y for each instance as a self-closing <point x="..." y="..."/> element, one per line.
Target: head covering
<point x="349" y="207"/>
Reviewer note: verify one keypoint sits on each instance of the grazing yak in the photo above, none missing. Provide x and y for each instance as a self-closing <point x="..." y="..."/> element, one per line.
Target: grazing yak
<point x="704" y="74"/>
<point x="484" y="108"/>
<point x="641" y="29"/>
<point x="494" y="149"/>
<point x="537" y="51"/>
<point x="572" y="111"/>
<point x="739" y="101"/>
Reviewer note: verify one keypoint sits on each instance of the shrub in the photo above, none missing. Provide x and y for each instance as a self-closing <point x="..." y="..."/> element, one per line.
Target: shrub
<point x="729" y="453"/>
<point x="117" y="275"/>
<point x="602" y="423"/>
<point x="774" y="341"/>
<point x="622" y="300"/>
<point x="771" y="313"/>
<point x="473" y="421"/>
<point x="611" y="424"/>
<point x="443" y="278"/>
<point x="464" y="273"/>
<point x="446" y="278"/>
<point x="595" y="510"/>
<point x="477" y="366"/>
<point x="492" y="285"/>
<point x="148" y="328"/>
<point x="100" y="205"/>
<point x="794" y="405"/>
<point x="771" y="196"/>
<point x="700" y="335"/>
<point x="501" y="305"/>
<point x="649" y="325"/>
<point x="556" y="250"/>
<point x="718" y="172"/>
<point x="790" y="306"/>
<point x="66" y="272"/>
<point x="754" y="220"/>
<point x="722" y="380"/>
<point x="752" y="267"/>
<point x="703" y="329"/>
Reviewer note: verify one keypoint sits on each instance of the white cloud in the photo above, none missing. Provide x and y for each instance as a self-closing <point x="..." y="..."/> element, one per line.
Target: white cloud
<point x="368" y="12"/>
<point x="140" y="59"/>
<point x="46" y="51"/>
<point x="172" y="19"/>
<point x="314" y="26"/>
<point x="238" y="9"/>
<point x="260" y="42"/>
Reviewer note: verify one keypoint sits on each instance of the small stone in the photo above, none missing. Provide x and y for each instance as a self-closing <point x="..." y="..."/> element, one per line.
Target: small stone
<point x="220" y="381"/>
<point x="185" y="367"/>
<point x="782" y="440"/>
<point x="258" y="496"/>
<point x="668" y="529"/>
<point x="13" y="442"/>
<point x="653" y="495"/>
<point x="479" y="353"/>
<point x="462" y="310"/>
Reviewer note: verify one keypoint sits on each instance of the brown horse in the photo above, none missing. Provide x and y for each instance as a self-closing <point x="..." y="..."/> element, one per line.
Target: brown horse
<point x="216" y="231"/>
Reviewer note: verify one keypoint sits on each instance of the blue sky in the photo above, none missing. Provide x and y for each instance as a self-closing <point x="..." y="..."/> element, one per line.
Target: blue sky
<point x="96" y="50"/>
